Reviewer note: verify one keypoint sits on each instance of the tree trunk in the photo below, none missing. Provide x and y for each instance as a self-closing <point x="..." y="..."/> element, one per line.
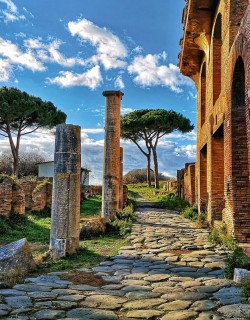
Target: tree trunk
<point x="14" y="151"/>
<point x="156" y="168"/>
<point x="149" y="170"/>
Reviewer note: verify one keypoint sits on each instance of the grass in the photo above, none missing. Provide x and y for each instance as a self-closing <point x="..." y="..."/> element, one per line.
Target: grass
<point x="32" y="227"/>
<point x="163" y="198"/>
<point x="35" y="226"/>
<point x="90" y="254"/>
<point x="91" y="207"/>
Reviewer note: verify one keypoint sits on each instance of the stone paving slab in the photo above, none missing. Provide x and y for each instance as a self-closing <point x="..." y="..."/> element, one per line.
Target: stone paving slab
<point x="169" y="272"/>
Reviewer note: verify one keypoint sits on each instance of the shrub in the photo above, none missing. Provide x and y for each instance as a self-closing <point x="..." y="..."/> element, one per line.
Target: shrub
<point x="44" y="213"/>
<point x="4" y="226"/>
<point x="172" y="203"/>
<point x="236" y="259"/>
<point x="220" y="235"/>
<point x="16" y="219"/>
<point x="246" y="290"/>
<point x="190" y="213"/>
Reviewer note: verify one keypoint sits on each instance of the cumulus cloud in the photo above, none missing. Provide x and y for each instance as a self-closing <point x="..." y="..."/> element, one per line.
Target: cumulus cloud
<point x="149" y="72"/>
<point x="11" y="14"/>
<point x="111" y="52"/>
<point x="119" y="83"/>
<point x="188" y="151"/>
<point x="14" y="55"/>
<point x="50" y="52"/>
<point x="91" y="78"/>
<point x="5" y="71"/>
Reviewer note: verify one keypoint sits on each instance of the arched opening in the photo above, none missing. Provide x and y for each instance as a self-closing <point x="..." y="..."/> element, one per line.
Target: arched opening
<point x="203" y="94"/>
<point x="240" y="175"/>
<point x="217" y="44"/>
<point x="237" y="11"/>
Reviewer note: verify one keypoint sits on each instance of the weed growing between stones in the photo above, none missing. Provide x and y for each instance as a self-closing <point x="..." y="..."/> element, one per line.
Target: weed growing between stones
<point x="236" y="259"/>
<point x="190" y="213"/>
<point x="246" y="290"/>
<point x="219" y="235"/>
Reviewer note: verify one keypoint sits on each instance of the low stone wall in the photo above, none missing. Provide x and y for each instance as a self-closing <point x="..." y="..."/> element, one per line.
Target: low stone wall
<point x="20" y="195"/>
<point x="90" y="191"/>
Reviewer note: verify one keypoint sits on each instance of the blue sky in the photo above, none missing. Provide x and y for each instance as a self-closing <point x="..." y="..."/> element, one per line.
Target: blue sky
<point x="69" y="52"/>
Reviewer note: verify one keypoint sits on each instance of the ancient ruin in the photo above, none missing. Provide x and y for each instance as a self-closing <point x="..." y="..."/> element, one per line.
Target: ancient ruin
<point x="65" y="215"/>
<point x="112" y="154"/>
<point x="215" y="54"/>
<point x="186" y="183"/>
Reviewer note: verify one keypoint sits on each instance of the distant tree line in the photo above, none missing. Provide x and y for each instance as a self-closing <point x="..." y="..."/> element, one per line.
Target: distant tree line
<point x="28" y="164"/>
<point x="140" y="176"/>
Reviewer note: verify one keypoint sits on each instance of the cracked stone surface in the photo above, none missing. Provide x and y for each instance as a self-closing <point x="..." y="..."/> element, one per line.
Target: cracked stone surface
<point x="169" y="271"/>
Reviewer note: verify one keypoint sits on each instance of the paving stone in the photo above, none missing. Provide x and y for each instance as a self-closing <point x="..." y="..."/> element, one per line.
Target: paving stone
<point x="238" y="310"/>
<point x="139" y="295"/>
<point x="180" y="315"/>
<point x="65" y="305"/>
<point x="72" y="298"/>
<point x="3" y="313"/>
<point x="203" y="305"/>
<point x="92" y="314"/>
<point x="209" y="316"/>
<point x="11" y="292"/>
<point x="184" y="295"/>
<point x="176" y="305"/>
<point x="144" y="314"/>
<point x="143" y="304"/>
<point x="49" y="314"/>
<point x="157" y="277"/>
<point x="104" y="302"/>
<point x="18" y="301"/>
<point x="31" y="287"/>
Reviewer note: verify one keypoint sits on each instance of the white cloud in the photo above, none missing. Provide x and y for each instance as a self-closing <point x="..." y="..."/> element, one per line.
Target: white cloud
<point x="15" y="56"/>
<point x="5" y="71"/>
<point x="110" y="50"/>
<point x="10" y="5"/>
<point x="149" y="71"/>
<point x="119" y="83"/>
<point x="126" y="110"/>
<point x="50" y="53"/>
<point x="92" y="130"/>
<point x="91" y="78"/>
<point x="188" y="151"/>
<point x="11" y="13"/>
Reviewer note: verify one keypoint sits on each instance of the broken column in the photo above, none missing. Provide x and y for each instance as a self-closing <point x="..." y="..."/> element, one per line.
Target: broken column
<point x="65" y="213"/>
<point x="111" y="159"/>
<point x="121" y="181"/>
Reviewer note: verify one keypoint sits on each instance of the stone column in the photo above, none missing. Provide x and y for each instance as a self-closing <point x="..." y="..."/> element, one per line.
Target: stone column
<point x="111" y="159"/>
<point x="121" y="181"/>
<point x="65" y="213"/>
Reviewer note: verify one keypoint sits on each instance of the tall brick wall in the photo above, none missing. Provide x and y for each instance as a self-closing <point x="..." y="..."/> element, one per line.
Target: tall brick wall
<point x="219" y="39"/>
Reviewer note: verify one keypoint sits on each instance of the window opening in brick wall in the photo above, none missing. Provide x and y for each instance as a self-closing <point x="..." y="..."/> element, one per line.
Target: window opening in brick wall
<point x="217" y="171"/>
<point x="203" y="179"/>
<point x="217" y="44"/>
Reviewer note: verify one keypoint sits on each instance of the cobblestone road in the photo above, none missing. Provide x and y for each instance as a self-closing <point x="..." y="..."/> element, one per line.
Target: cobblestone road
<point x="170" y="271"/>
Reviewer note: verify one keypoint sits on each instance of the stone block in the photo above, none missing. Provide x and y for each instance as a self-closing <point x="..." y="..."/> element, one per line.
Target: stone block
<point x="16" y="261"/>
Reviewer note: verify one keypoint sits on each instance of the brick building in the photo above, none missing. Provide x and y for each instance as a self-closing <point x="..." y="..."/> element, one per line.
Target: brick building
<point x="186" y="183"/>
<point x="215" y="53"/>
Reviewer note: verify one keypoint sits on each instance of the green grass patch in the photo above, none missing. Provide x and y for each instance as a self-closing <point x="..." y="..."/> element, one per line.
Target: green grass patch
<point x="32" y="227"/>
<point x="90" y="254"/>
<point x="91" y="206"/>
